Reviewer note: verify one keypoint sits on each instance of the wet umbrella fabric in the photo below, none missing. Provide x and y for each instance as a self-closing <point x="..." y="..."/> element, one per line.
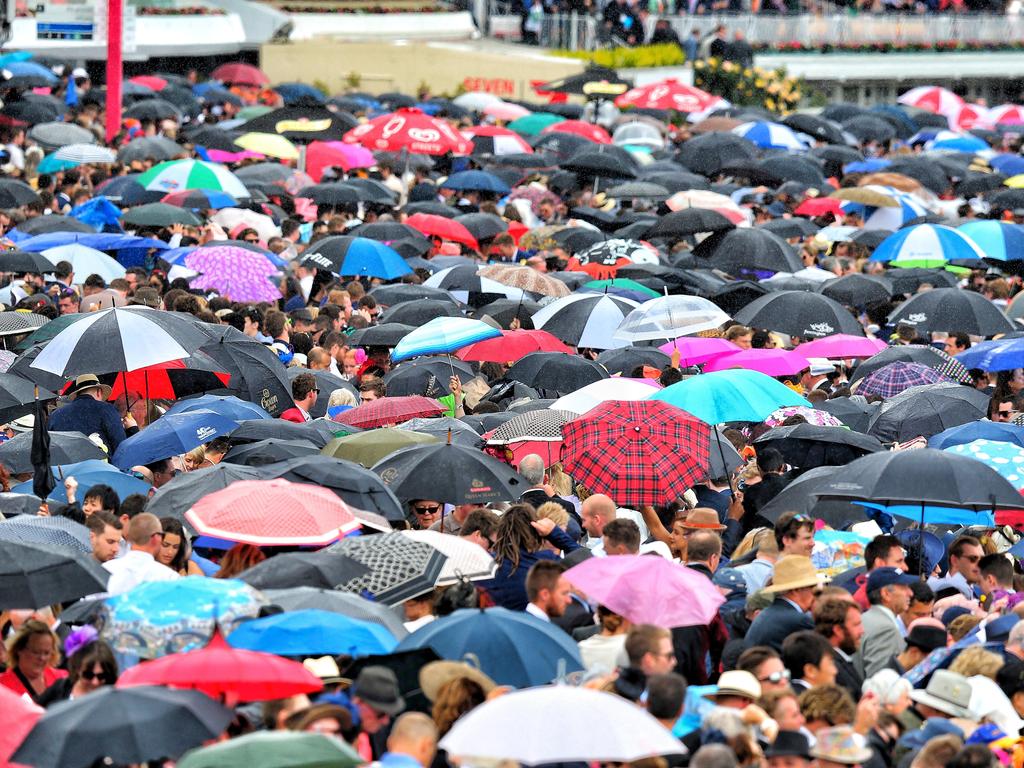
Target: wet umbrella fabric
<point x="354" y="606"/>
<point x="37" y="575"/>
<point x="808" y="445"/>
<point x="65" y="448"/>
<point x="275" y="749"/>
<point x="400" y="568"/>
<point x="303" y="569"/>
<point x="59" y="532"/>
<point x="797" y="313"/>
<point x="926" y="411"/>
<point x="946" y="308"/>
<point x="555" y="372"/>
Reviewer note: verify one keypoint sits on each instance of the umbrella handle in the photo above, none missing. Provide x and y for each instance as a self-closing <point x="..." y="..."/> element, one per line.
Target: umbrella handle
<point x="721" y="454"/>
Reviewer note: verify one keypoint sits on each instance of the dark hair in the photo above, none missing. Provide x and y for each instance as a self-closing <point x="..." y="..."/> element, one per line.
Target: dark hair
<point x="702" y="546"/>
<point x="879" y="547"/>
<point x="831" y="613"/>
<point x="133" y="504"/>
<point x="373" y="384"/>
<point x="482" y="520"/>
<point x="997" y="566"/>
<point x="770" y="460"/>
<point x="302" y="385"/>
<point x="956" y="549"/>
<point x="802" y="649"/>
<point x="920" y="592"/>
<point x="754" y="657"/>
<point x="173" y="525"/>
<point x="543" y="575"/>
<point x="98" y="521"/>
<point x="95" y="281"/>
<point x="273" y="323"/>
<point x="789" y="524"/>
<point x="623" y="532"/>
<point x="108" y="497"/>
<point x="96" y="652"/>
<point x="515" y="536"/>
<point x="665" y="695"/>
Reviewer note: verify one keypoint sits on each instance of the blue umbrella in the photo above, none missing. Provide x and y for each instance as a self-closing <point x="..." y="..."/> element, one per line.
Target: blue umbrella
<point x="769" y="135"/>
<point x="31" y="69"/>
<point x="357" y="256"/>
<point x="98" y="213"/>
<point x="951" y="141"/>
<point x="995" y="355"/>
<point x="934" y="515"/>
<point x="479" y="181"/>
<point x="101" y="241"/>
<point x="172" y="435"/>
<point x="90" y="473"/>
<point x="296" y="92"/>
<point x="1005" y="458"/>
<point x="85" y="260"/>
<point x="442" y="335"/>
<point x="998" y="239"/>
<point x="733" y="395"/>
<point x="513" y="648"/>
<point x="312" y="632"/>
<point x="927" y="245"/>
<point x="993" y="431"/>
<point x="871" y="165"/>
<point x="1009" y="164"/>
<point x="229" y="406"/>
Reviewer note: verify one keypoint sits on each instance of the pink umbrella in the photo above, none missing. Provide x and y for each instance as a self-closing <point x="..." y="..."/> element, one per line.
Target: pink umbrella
<point x="772" y="362"/>
<point x="502" y="110"/>
<point x="237" y="273"/>
<point x="694" y="350"/>
<point x="322" y="154"/>
<point x="17" y="717"/>
<point x="648" y="590"/>
<point x="841" y="346"/>
<point x="812" y="415"/>
<point x="223" y="156"/>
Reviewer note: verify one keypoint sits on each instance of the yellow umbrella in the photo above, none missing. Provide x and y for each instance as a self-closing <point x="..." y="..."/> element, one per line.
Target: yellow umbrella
<point x="269" y="144"/>
<point x="866" y="196"/>
<point x="1015" y="182"/>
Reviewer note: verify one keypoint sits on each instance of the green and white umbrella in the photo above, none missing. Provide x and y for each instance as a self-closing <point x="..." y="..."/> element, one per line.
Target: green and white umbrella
<point x="176" y="175"/>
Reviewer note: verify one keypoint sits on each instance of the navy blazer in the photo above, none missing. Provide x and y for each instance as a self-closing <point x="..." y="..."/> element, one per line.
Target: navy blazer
<point x="777" y="622"/>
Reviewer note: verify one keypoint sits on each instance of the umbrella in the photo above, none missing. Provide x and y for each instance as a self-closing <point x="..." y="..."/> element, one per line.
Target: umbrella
<point x="368" y="448"/>
<point x="555" y="372"/>
<point x="275" y="749"/>
<point x="19" y="716"/>
<point x="353" y="606"/>
<point x="17" y="398"/>
<point x="733" y="395"/>
<point x="589" y="397"/>
<point x="989" y="431"/>
<point x="891" y="379"/>
<point x="65" y="448"/>
<point x="303" y="515"/>
<point x="235" y="273"/>
<point x="854" y="412"/>
<point x="583" y="320"/>
<point x="399" y="293"/>
<point x="817" y="127"/>
<point x="926" y="411"/>
<point x="157" y="148"/>
<point x="483" y="226"/>
<point x="33" y="575"/>
<point x="200" y="199"/>
<point x="541" y="425"/>
<point x="81" y="154"/>
<point x="668" y="317"/>
<point x="257" y="374"/>
<point x="465" y="560"/>
<point x="769" y="135"/>
<point x="400" y="568"/>
<point x="802" y="496"/>
<point x="417" y="313"/>
<point x="511" y="346"/>
<point x="85" y="260"/>
<point x="91" y="472"/>
<point x="998" y="240"/>
<point x="996" y="355"/>
<point x="773" y="362"/>
<point x="428" y="376"/>
<point x="797" y="313"/>
<point x="949" y="308"/>
<point x="914" y="353"/>
<point x="240" y="73"/>
<point x="858" y="290"/>
<point x="449" y="473"/>
<point x="639" y="452"/>
<point x="52" y="135"/>
<point x="302" y="569"/>
<point x="412" y="130"/>
<point x="390" y="410"/>
<point x="170" y="435"/>
<point x="842" y="346"/>
<point x="748" y="249"/>
<point x="311" y="632"/>
<point x="480" y="181"/>
<point x="525" y="278"/>
<point x="809" y="445"/>
<point x="176" y="497"/>
<point x="927" y="245"/>
<point x="689" y="221"/>
<point x="24" y="261"/>
<point x="268" y="451"/>
<point x="1004" y="458"/>
<point x="668" y="94"/>
<point x="442" y="335"/>
<point x="228" y="406"/>
<point x="440" y="427"/>
<point x="174" y="175"/>
<point x="14" y="193"/>
<point x="625" y="360"/>
<point x="513" y="648"/>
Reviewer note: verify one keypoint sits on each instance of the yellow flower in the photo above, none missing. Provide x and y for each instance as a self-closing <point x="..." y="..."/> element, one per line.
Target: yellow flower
<point x="759" y="83"/>
<point x="769" y="103"/>
<point x="747" y="72"/>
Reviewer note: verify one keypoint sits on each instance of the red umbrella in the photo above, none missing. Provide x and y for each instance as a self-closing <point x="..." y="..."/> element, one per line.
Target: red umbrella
<point x="443" y="227"/>
<point x="273" y="513"/>
<point x="18" y="715"/>
<point x="500" y="141"/>
<point x="171" y="380"/>
<point x="641" y="452"/>
<point x="220" y="671"/>
<point x="668" y="94"/>
<point x="239" y="73"/>
<point x="390" y="410"/>
<point x="511" y="346"/>
<point x="587" y="130"/>
<point x="819" y="206"/>
<point x="410" y="129"/>
<point x="150" y="81"/>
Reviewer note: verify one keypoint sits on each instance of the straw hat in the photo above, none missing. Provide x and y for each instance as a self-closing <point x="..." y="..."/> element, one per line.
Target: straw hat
<point x="703" y="519"/>
<point x="435" y="675"/>
<point x="326" y="668"/>
<point x="795" y="572"/>
<point x="736" y="682"/>
<point x="840" y="745"/>
<point x="85" y="382"/>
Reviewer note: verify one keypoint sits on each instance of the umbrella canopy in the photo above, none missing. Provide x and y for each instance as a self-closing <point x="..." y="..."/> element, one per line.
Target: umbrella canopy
<point x="354" y="606"/>
<point x="513" y="648"/>
<point x="889" y="380"/>
<point x="748" y="249"/>
<point x="950" y="308"/>
<point x="927" y="245"/>
<point x="312" y="633"/>
<point x="734" y="395"/>
<point x="464" y="558"/>
<point x="926" y="411"/>
<point x="526" y="278"/>
<point x="555" y="372"/>
<point x="995" y="355"/>
<point x="126" y="725"/>
<point x="302" y="569"/>
<point x="773" y="362"/>
<point x="668" y="317"/>
<point x="769" y="135"/>
<point x="235" y="273"/>
<point x="18" y="715"/>
<point x="368" y="448"/>
<point x="268" y="450"/>
<point x="589" y="397"/>
<point x="689" y="221"/>
<point x="170" y="435"/>
<point x="587" y="321"/>
<point x="274" y="749"/>
<point x="35" y="575"/>
<point x="998" y="240"/>
<point x="990" y="431"/>
<point x="240" y="73"/>
<point x="914" y="353"/>
<point x="400" y="568"/>
<point x="570" y="737"/>
<point x="175" y="175"/>
<point x="511" y="346"/>
<point x="797" y="313"/>
<point x="639" y="452"/>
<point x="388" y="411"/>
<point x="1005" y="458"/>
<point x="443" y="335"/>
<point x="65" y="448"/>
<point x="409" y="129"/>
<point x="858" y="290"/>
<point x="668" y="94"/>
<point x="625" y="360"/>
<point x="809" y="445"/>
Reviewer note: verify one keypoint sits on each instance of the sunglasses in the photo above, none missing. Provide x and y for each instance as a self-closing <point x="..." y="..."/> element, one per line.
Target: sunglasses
<point x="775" y="677"/>
<point x="426" y="510"/>
<point x="90" y="675"/>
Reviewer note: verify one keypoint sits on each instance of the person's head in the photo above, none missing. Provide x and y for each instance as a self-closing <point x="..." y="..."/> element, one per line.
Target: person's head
<point x="547" y="588"/>
<point x="922" y="600"/>
<point x="239" y="558"/>
<point x="68" y="301"/>
<point x="1001" y="407"/>
<point x="794" y="534"/>
<point x="597" y="511"/>
<point x="704" y="547"/>
<point x="770" y="462"/>
<point x="516" y="535"/>
<point x="100" y="497"/>
<point x="92" y="666"/>
<point x="938" y="752"/>
<point x="162" y="471"/>
<point x="965" y="554"/>
<point x="839" y="622"/>
<point x="740" y="335"/>
<point x="414" y="735"/>
<point x="1010" y="678"/>
<point x="327" y="719"/>
<point x="975" y="660"/>
<point x="454" y="699"/>
<point x="957" y="343"/>
<point x="890" y="587"/>
<point x="923" y="637"/>
<point x="480" y="527"/>
<point x="795" y="579"/>
<point x="621" y="537"/>
<point x="371" y="388"/>
<point x="885" y="551"/>
<point x="665" y="696"/>
<point x="765" y="664"/>
<point x="996" y="573"/>
<point x="532" y="468"/>
<point x="649" y="649"/>
<point x="824" y="706"/>
<point x="791" y="749"/>
<point x="890" y="689"/>
<point x="104" y="535"/>
<point x="305" y="390"/>
<point x="145" y="533"/>
<point x="782" y="707"/>
<point x="425" y="512"/>
<point x="808" y="657"/>
<point x="175" y="550"/>
<point x="33" y="648"/>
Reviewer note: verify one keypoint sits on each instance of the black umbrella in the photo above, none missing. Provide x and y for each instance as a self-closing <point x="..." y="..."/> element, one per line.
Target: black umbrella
<point x="485" y="422"/>
<point x="734" y="296"/>
<point x="923" y="477"/>
<point x="836" y="157"/>
<point x="748" y="249"/>
<point x="928" y="173"/>
<point x="794" y="168"/>
<point x="801" y="496"/>
<point x="387" y="231"/>
<point x="814" y="126"/>
<point x="1004" y="200"/>
<point x="576" y="239"/>
<point x="34" y="575"/>
<point x="54" y="223"/>
<point x="950" y="309"/>
<point x="555" y="372"/>
<point x="788" y="228"/>
<point x="153" y="110"/>
<point x="149" y="148"/>
<point x="909" y="280"/>
<point x="676" y="181"/>
<point x="627" y="359"/>
<point x="560" y="146"/>
<point x="126" y="725"/>
<point x="24" y="261"/>
<point x="599" y="165"/>
<point x="417" y="313"/>
<point x="269" y="451"/>
<point x="483" y="226"/>
<point x="65" y="448"/>
<point x="870" y="128"/>
<point x="326" y="382"/>
<point x="503" y="311"/>
<point x="690" y="221"/>
<point x="398" y="293"/>
<point x="444" y="427"/>
<point x="331" y="194"/>
<point x="638" y="190"/>
<point x="974" y="184"/>
<point x="17" y="396"/>
<point x="707" y="153"/>
<point x="751" y="172"/>
<point x="160" y="215"/>
<point x="810" y="445"/>
<point x="581" y="83"/>
<point x="257" y="374"/>
<point x="176" y="497"/>
<point x="383" y="335"/>
<point x="15" y="193"/>
<point x="427" y="376"/>
<point x="254" y="430"/>
<point x="797" y="313"/>
<point x="926" y="410"/>
<point x="31" y="111"/>
<point x="406" y="665"/>
<point x="856" y="290"/>
<point x="302" y="124"/>
<point x="308" y="598"/>
<point x="432" y="207"/>
<point x="449" y="473"/>
<point x="400" y="567"/>
<point x="854" y="412"/>
<point x="323" y="570"/>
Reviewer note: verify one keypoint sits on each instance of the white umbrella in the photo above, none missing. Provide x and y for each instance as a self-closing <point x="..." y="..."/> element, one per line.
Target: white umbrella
<point x="585" y="319"/>
<point x="669" y="317"/>
<point x="85" y="261"/>
<point x="559" y="724"/>
<point x="475" y="101"/>
<point x="465" y="558"/>
<point x="86" y="153"/>
<point x="597" y="392"/>
<point x="229" y="218"/>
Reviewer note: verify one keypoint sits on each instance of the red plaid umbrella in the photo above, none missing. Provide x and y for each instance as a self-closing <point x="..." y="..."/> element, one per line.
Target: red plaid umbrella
<point x="410" y="129"/>
<point x="511" y="345"/>
<point x="390" y="410"/>
<point x="273" y="513"/>
<point x="587" y="130"/>
<point x="445" y="228"/>
<point x="220" y="670"/>
<point x="638" y="452"/>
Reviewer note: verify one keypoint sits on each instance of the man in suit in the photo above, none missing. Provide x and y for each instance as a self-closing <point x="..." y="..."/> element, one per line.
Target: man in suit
<point x="808" y="657"/>
<point x="889" y="594"/>
<point x="794" y="582"/>
<point x="838" y="620"/>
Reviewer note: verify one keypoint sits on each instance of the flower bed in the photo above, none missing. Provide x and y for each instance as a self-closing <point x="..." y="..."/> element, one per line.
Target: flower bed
<point x="748" y="86"/>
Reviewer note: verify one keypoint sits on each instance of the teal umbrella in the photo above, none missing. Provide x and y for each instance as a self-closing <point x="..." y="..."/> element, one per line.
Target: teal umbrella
<point x="733" y="395"/>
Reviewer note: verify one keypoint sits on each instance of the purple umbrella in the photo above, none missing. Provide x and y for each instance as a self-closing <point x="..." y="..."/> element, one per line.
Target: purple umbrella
<point x="647" y="590"/>
<point x="237" y="273"/>
<point x="891" y="379"/>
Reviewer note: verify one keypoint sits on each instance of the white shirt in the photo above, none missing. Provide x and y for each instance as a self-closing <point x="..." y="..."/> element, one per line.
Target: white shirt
<point x="533" y="610"/>
<point x="422" y="621"/>
<point x="137" y="567"/>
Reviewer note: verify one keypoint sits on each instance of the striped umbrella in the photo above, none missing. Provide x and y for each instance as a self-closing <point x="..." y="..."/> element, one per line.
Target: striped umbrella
<point x="443" y="335"/>
<point x="927" y="245"/>
<point x="85" y="153"/>
<point x="999" y="240"/>
<point x="174" y="175"/>
<point x="932" y="98"/>
<point x="769" y="135"/>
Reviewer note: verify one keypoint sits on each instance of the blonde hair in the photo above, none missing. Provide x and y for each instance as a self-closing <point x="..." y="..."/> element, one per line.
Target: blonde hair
<point x="559" y="480"/>
<point x="196" y="456"/>
<point x="341" y="396"/>
<point x="761" y="539"/>
<point x="19" y="642"/>
<point x="553" y="512"/>
<point x="975" y="660"/>
<point x="961" y="625"/>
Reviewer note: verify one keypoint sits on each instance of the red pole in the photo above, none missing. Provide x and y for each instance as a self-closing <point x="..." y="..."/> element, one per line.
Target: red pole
<point x="115" y="31"/>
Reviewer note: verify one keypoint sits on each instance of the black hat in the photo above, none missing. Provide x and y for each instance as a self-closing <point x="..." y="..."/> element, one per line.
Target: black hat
<point x="790" y="744"/>
<point x="1010" y="676"/>
<point x="926" y="637"/>
<point x="378" y="687"/>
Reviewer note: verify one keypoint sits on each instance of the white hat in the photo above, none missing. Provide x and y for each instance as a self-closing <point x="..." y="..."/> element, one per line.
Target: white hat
<point x="22" y="424"/>
<point x="78" y="72"/>
<point x="820" y="366"/>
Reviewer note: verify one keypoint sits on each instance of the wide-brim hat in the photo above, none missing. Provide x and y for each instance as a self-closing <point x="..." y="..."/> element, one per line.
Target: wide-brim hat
<point x="85" y="382"/>
<point x="840" y="745"/>
<point x="378" y="687"/>
<point x="703" y="519"/>
<point x="795" y="572"/>
<point x="22" y="424"/>
<point x="789" y="744"/>
<point x="947" y="692"/>
<point x="326" y="668"/>
<point x="737" y="682"/>
<point x="435" y="675"/>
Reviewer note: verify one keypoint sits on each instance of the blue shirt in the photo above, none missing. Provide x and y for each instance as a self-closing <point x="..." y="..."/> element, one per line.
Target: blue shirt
<point x="398" y="760"/>
<point x="87" y="415"/>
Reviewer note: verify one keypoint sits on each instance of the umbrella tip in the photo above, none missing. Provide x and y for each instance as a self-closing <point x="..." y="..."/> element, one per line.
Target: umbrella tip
<point x="449" y="435"/>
